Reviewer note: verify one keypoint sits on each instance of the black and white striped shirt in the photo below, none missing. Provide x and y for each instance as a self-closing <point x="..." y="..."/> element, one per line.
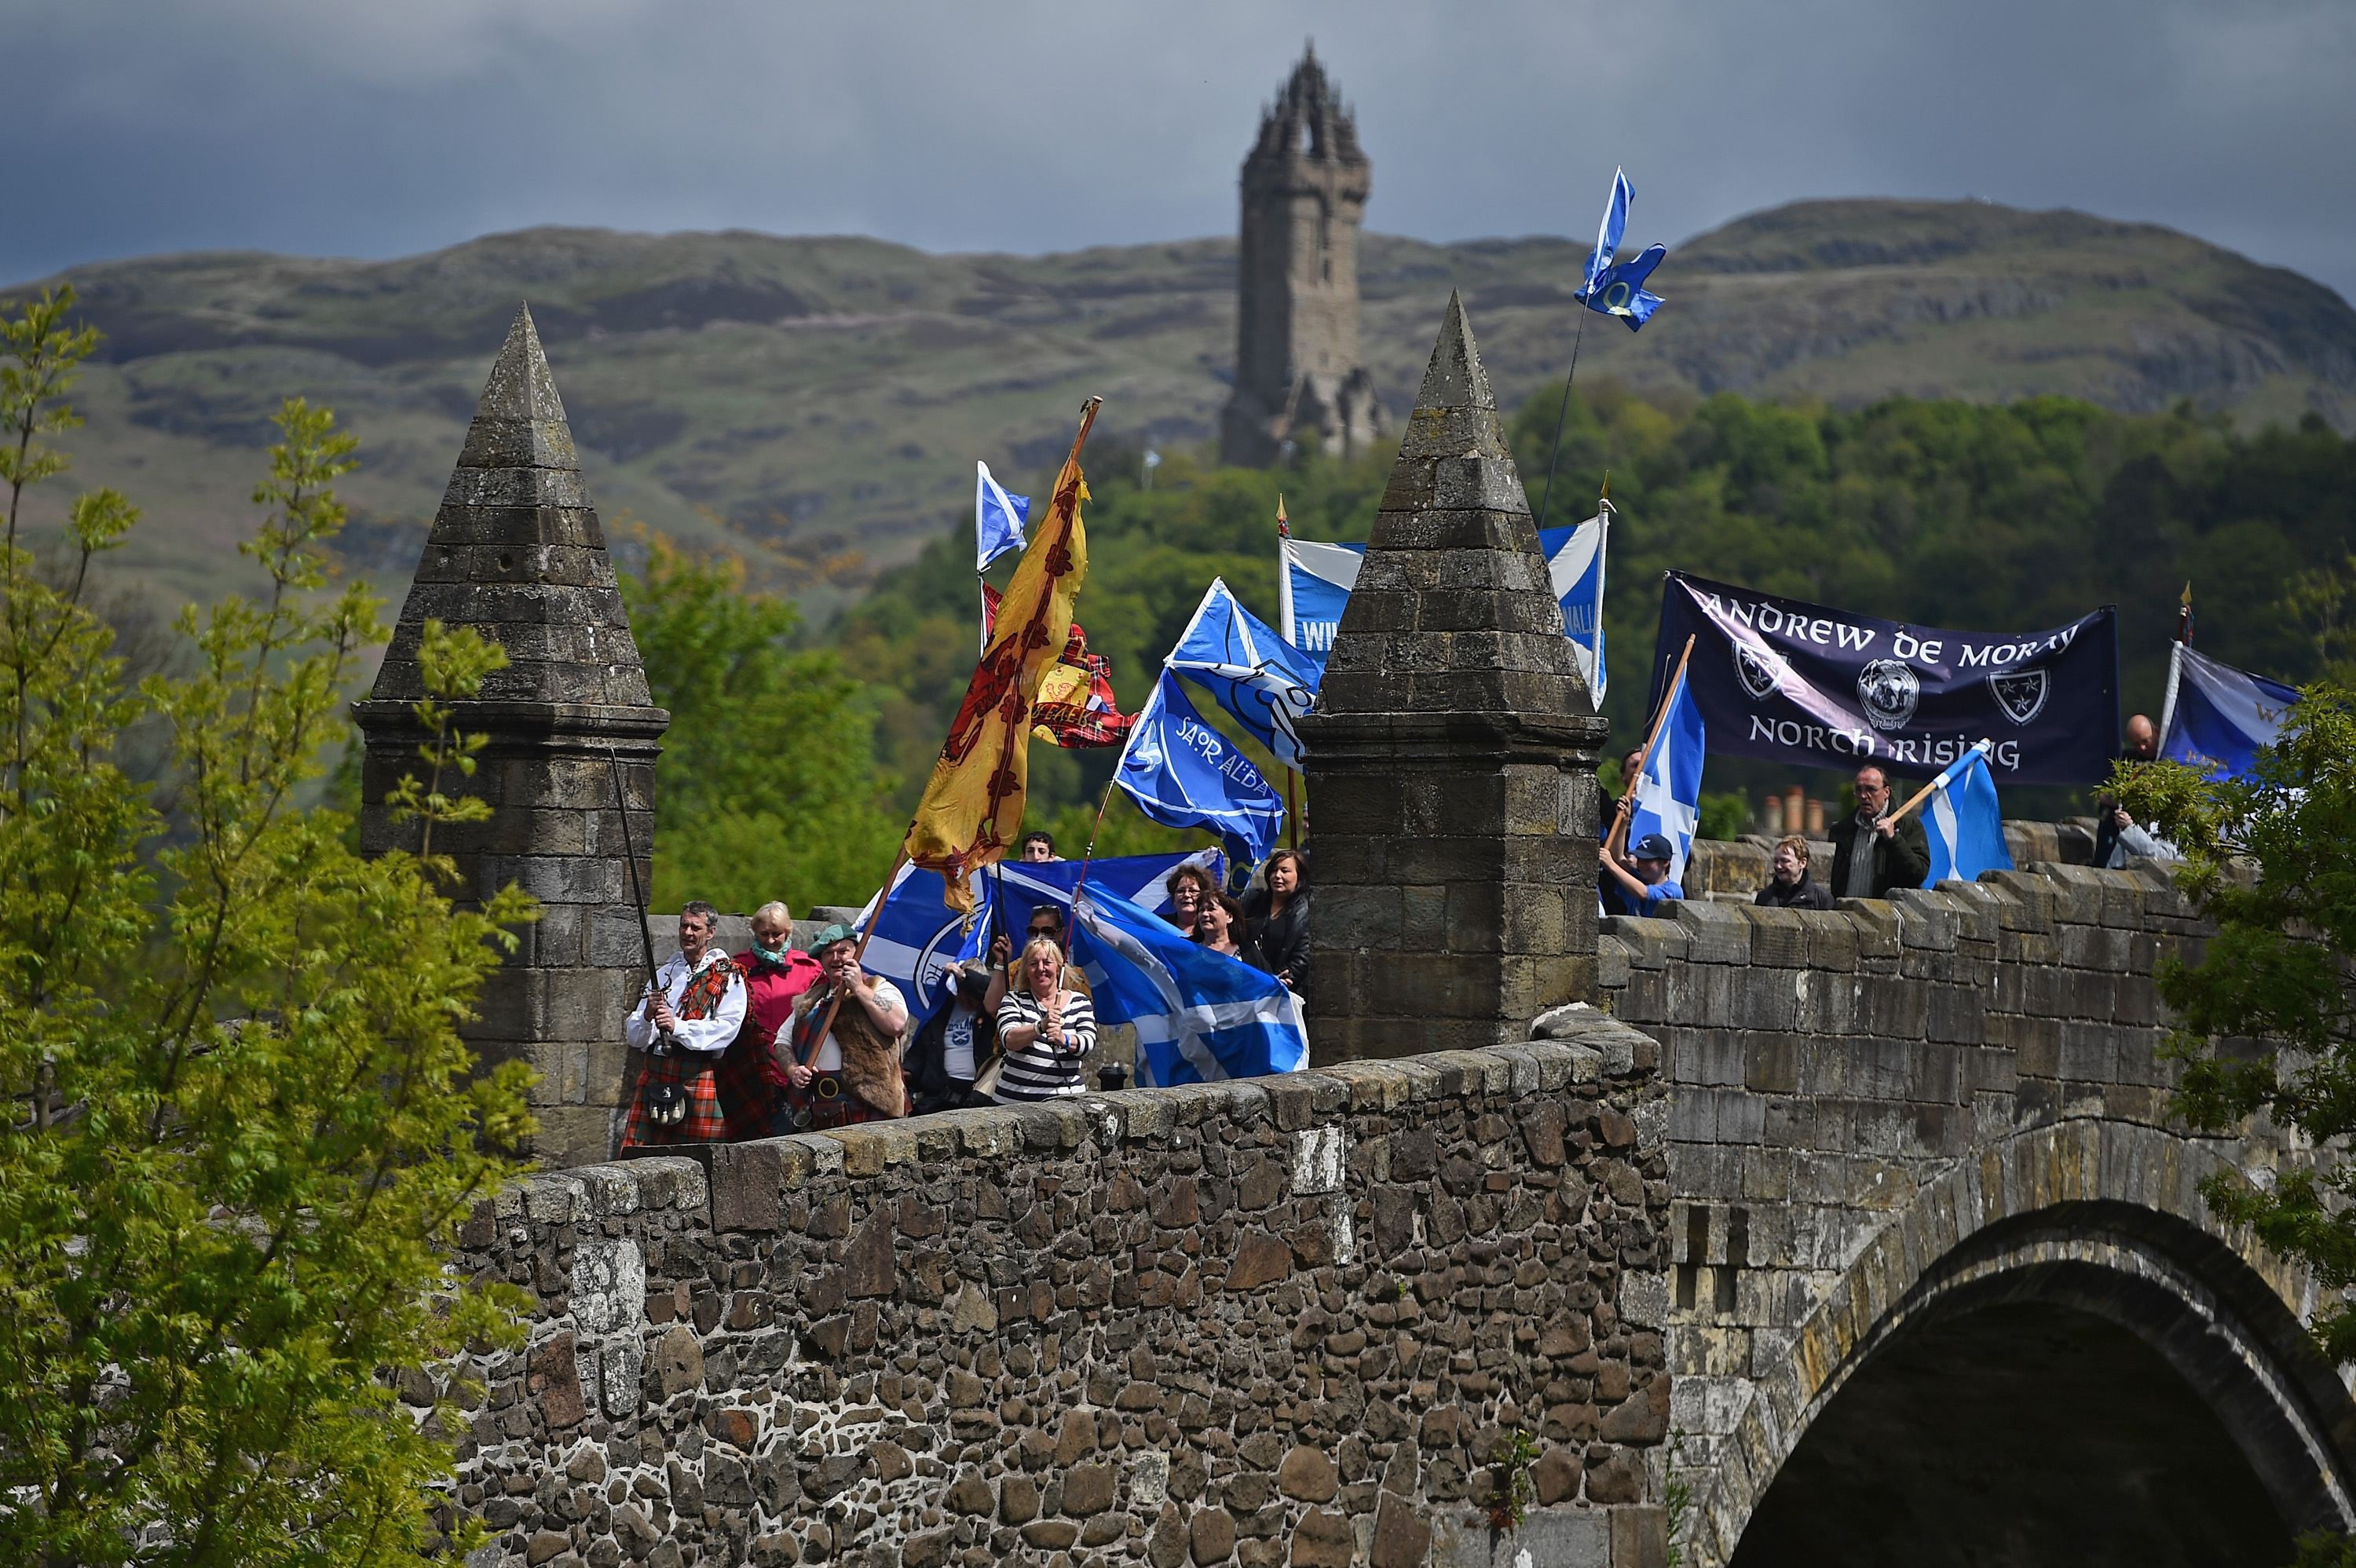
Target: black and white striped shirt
<point x="1042" y="1071"/>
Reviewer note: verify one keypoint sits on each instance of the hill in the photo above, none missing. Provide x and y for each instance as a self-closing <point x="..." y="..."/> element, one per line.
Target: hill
<point x="817" y="404"/>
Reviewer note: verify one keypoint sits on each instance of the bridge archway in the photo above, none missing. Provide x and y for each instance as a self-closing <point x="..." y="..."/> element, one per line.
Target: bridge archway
<point x="2052" y="1353"/>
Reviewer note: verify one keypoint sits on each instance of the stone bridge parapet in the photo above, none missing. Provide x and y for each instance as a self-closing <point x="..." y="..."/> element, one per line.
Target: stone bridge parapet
<point x="1902" y="1107"/>
<point x="1277" y="1321"/>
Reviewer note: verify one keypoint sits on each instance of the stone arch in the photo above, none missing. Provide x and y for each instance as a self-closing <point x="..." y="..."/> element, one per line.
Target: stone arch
<point x="2103" y="1217"/>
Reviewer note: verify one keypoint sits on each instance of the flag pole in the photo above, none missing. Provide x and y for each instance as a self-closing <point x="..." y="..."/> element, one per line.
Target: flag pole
<point x="1562" y="418"/>
<point x="1628" y="786"/>
<point x="881" y="898"/>
<point x="1292" y="813"/>
<point x="1920" y="796"/>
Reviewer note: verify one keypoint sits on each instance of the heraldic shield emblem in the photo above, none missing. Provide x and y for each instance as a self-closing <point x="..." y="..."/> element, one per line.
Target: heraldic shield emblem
<point x="2021" y="693"/>
<point x="1762" y="670"/>
<point x="1888" y="690"/>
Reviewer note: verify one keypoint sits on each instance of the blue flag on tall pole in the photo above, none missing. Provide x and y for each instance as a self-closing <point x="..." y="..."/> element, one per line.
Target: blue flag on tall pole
<point x="2217" y="717"/>
<point x="1183" y="773"/>
<point x="1613" y="287"/>
<point x="1199" y="1015"/>
<point x="1964" y="824"/>
<point x="1266" y="682"/>
<point x="919" y="939"/>
<point x="1320" y="577"/>
<point x="1668" y="791"/>
<point x="999" y="518"/>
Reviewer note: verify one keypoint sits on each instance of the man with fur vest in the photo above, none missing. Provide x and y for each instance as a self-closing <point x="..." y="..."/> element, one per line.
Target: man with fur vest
<point x="853" y="1074"/>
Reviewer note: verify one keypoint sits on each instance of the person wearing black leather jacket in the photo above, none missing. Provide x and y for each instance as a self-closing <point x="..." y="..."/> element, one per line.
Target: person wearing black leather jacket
<point x="1276" y="918"/>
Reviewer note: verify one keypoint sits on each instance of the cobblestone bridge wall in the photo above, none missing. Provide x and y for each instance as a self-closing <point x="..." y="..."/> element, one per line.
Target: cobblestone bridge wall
<point x="1281" y="1321"/>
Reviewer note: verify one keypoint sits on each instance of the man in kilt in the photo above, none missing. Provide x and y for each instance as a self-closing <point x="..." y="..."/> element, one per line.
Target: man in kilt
<point x="853" y="1074"/>
<point x="687" y="1027"/>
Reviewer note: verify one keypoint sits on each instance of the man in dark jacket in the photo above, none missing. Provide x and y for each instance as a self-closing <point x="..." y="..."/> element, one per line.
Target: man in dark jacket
<point x="953" y="1049"/>
<point x="1871" y="854"/>
<point x="1791" y="886"/>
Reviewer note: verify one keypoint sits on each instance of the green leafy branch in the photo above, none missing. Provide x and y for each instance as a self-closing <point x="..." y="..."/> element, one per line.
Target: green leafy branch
<point x="451" y="666"/>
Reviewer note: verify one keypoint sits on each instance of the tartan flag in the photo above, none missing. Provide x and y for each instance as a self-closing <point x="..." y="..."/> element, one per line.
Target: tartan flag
<point x="1077" y="708"/>
<point x="972" y="807"/>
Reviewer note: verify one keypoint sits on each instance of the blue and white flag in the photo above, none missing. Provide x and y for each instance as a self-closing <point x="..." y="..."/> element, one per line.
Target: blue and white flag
<point x="920" y="939"/>
<point x="1199" y="1015"/>
<point x="1965" y="826"/>
<point x="1320" y="577"/>
<point x="1668" y="791"/>
<point x="1014" y="888"/>
<point x="2217" y="717"/>
<point x="1183" y="773"/>
<point x="1266" y="682"/>
<point x="998" y="519"/>
<point x="1617" y="288"/>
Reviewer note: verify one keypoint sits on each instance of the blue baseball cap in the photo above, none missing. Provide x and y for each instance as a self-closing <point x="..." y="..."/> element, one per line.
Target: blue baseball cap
<point x="1651" y="847"/>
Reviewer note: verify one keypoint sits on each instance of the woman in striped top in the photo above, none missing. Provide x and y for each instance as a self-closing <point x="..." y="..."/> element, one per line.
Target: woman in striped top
<point x="1044" y="1032"/>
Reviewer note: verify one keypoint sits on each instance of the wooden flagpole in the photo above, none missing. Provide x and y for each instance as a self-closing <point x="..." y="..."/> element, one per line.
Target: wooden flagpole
<point x="1628" y="786"/>
<point x="1920" y="796"/>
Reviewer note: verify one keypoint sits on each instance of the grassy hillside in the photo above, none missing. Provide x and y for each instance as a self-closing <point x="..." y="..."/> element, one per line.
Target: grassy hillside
<point x="817" y="404"/>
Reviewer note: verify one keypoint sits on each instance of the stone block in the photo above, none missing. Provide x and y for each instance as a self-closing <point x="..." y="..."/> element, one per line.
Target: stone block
<point x="1874" y="922"/>
<point x="1779" y="937"/>
<point x="1929" y="921"/>
<point x="1648" y="944"/>
<point x="1715" y="934"/>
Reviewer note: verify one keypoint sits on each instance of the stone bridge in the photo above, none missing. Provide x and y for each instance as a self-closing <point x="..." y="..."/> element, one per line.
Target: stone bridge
<point x="1941" y="1280"/>
<point x="1867" y="1230"/>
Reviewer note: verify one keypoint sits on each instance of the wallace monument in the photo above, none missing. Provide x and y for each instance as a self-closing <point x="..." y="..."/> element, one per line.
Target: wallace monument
<point x="1298" y="375"/>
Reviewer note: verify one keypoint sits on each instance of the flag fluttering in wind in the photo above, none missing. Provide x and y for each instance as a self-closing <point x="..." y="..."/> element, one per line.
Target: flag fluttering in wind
<point x="972" y="806"/>
<point x="919" y="940"/>
<point x="1965" y="824"/>
<point x="2218" y="719"/>
<point x="1254" y="674"/>
<point x="1613" y="287"/>
<point x="1183" y="773"/>
<point x="1199" y="1015"/>
<point x="1077" y="708"/>
<point x="1318" y="579"/>
<point x="999" y="518"/>
<point x="1668" y="791"/>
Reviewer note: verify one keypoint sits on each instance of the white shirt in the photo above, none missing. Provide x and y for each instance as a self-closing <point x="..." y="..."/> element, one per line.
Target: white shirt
<point x="711" y="1035"/>
<point x="956" y="1044"/>
<point x="830" y="1054"/>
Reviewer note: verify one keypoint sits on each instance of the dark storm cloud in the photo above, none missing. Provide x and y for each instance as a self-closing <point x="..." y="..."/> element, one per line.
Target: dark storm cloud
<point x="383" y="129"/>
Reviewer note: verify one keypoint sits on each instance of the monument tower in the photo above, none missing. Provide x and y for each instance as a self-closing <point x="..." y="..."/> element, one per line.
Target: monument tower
<point x="1296" y="372"/>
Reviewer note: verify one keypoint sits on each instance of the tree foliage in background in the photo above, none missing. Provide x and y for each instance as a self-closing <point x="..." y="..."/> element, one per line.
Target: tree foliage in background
<point x="768" y="787"/>
<point x="2266" y="1020"/>
<point x="1983" y="516"/>
<point x="241" y="1122"/>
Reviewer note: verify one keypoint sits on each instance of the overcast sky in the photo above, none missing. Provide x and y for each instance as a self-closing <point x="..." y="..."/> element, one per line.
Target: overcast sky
<point x="392" y="126"/>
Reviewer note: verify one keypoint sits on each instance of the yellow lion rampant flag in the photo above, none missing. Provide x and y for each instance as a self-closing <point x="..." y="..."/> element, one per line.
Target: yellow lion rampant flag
<point x="972" y="807"/>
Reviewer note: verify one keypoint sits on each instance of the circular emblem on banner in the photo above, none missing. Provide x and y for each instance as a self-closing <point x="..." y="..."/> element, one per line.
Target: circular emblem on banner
<point x="1888" y="688"/>
<point x="1762" y="670"/>
<point x="2021" y="693"/>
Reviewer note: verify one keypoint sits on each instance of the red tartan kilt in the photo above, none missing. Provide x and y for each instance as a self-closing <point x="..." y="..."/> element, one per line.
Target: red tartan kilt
<point x="728" y="1100"/>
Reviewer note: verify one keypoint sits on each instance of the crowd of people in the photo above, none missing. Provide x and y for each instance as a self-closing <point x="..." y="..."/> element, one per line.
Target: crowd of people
<point x="775" y="1041"/>
<point x="1874" y="849"/>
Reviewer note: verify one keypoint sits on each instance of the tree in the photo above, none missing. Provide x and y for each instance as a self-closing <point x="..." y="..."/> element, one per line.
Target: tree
<point x="2266" y="1019"/>
<point x="767" y="787"/>
<point x="244" y="1127"/>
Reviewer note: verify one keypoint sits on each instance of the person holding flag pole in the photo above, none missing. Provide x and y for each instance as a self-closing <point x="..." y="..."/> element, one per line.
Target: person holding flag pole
<point x="1660" y="805"/>
<point x="971" y="809"/>
<point x="1965" y="825"/>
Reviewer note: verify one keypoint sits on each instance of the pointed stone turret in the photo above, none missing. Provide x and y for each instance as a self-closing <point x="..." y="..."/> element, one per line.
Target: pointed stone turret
<point x="1451" y="756"/>
<point x="517" y="553"/>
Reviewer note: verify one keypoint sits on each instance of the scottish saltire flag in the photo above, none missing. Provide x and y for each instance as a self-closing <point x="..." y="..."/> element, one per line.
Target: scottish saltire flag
<point x="1668" y="791"/>
<point x="998" y="519"/>
<point x="1617" y="288"/>
<point x="1964" y="824"/>
<point x="1199" y="1015"/>
<point x="1266" y="682"/>
<point x="1013" y="889"/>
<point x="1319" y="578"/>
<point x="1183" y="773"/>
<point x="920" y="939"/>
<point x="2218" y="717"/>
